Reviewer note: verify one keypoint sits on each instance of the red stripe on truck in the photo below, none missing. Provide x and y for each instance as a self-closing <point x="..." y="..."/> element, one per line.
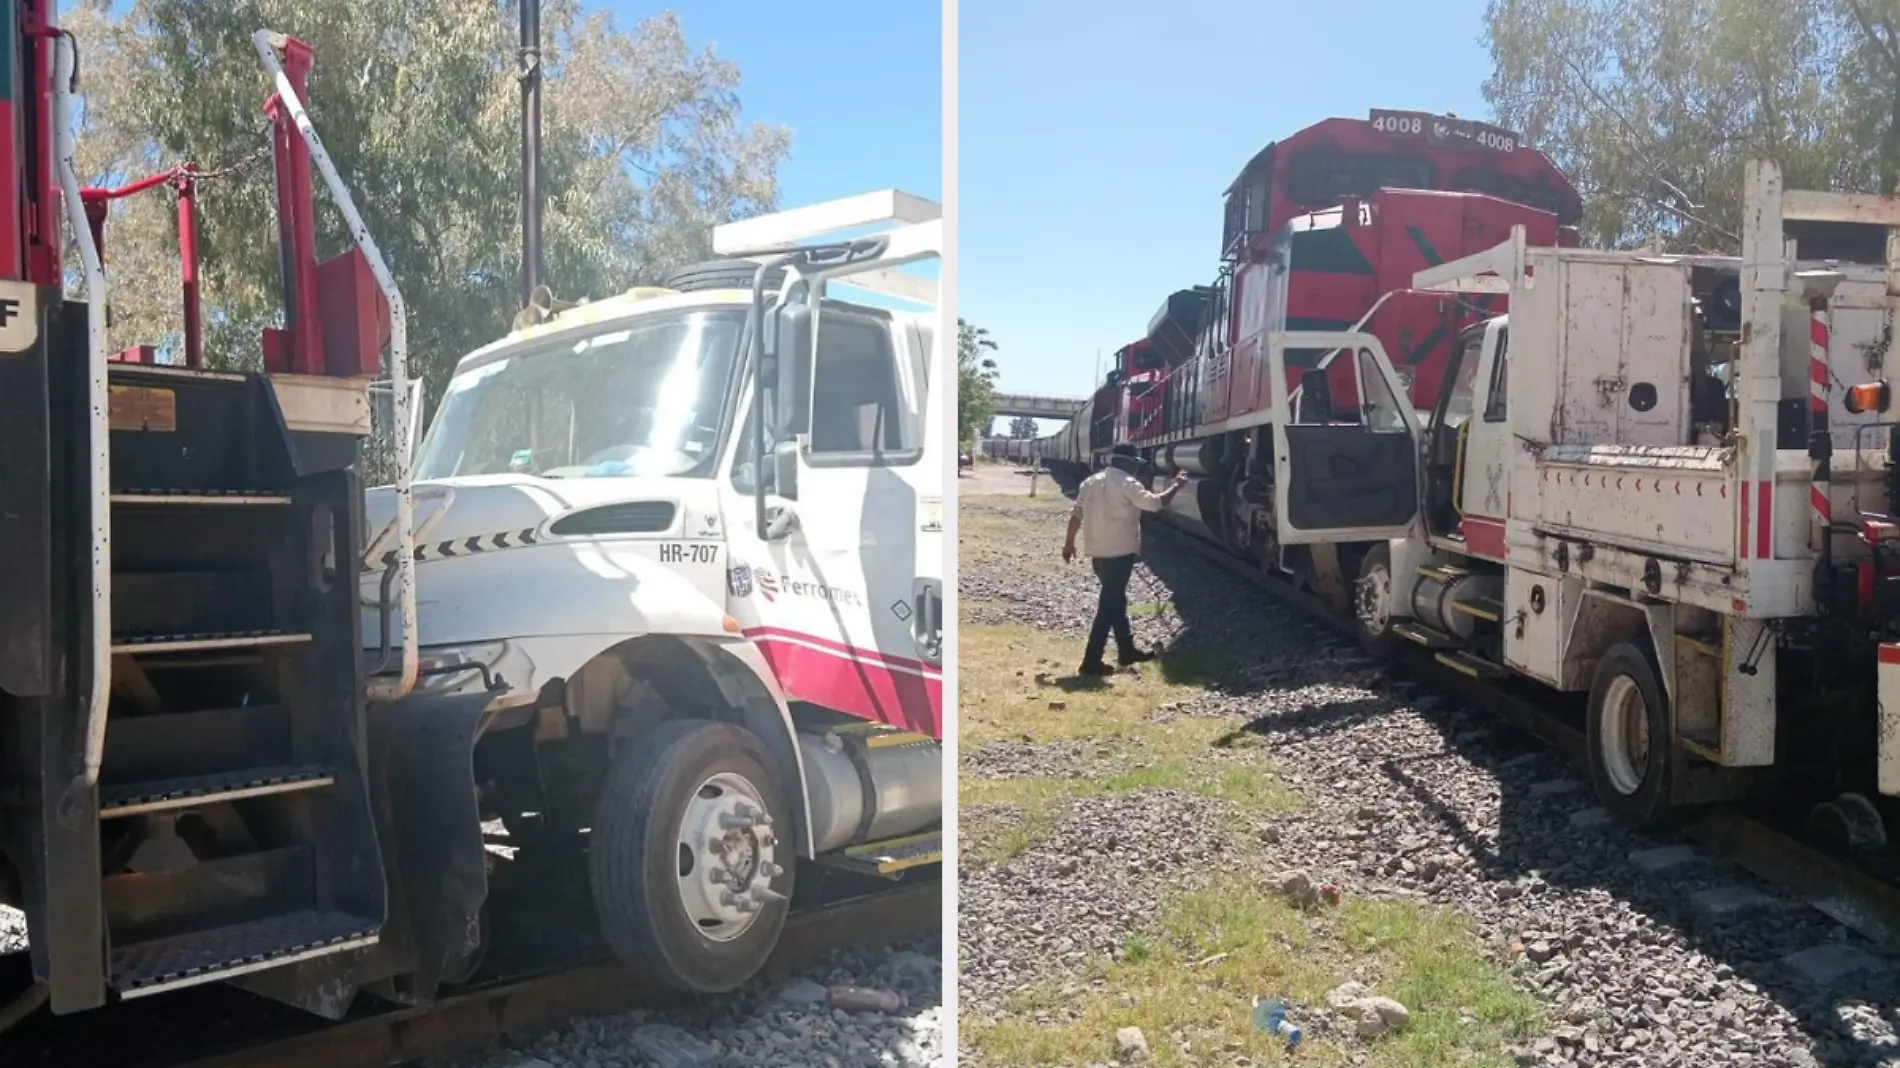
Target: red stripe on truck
<point x="870" y="685"/>
<point x="1764" y="520"/>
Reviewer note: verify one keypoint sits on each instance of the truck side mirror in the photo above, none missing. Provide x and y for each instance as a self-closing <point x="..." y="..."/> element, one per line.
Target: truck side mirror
<point x="788" y="362"/>
<point x="784" y="461"/>
<point x="1316" y="397"/>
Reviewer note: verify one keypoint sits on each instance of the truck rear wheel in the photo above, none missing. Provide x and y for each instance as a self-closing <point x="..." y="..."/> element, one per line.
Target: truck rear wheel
<point x="1372" y="602"/>
<point x="691" y="881"/>
<point x="1628" y="736"/>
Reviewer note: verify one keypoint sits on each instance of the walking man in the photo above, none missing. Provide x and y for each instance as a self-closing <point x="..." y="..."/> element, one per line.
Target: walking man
<point x="1108" y="509"/>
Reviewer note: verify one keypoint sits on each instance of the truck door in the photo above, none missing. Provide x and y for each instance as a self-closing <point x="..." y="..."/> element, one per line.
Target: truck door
<point x="1343" y="475"/>
<point x="832" y="603"/>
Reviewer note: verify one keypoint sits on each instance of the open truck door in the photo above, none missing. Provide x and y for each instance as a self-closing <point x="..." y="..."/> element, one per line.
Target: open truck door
<point x="1342" y="476"/>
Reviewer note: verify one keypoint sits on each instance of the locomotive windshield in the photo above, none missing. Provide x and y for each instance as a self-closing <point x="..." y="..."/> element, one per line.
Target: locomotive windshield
<point x="1328" y="176"/>
<point x="1324" y="177"/>
<point x="646" y="397"/>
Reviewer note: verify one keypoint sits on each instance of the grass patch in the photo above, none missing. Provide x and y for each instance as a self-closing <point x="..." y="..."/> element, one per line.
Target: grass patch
<point x="1002" y="700"/>
<point x="1193" y="979"/>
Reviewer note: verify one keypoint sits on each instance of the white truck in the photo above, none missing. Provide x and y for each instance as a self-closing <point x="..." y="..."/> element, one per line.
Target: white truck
<point x="718" y="636"/>
<point x="1664" y="482"/>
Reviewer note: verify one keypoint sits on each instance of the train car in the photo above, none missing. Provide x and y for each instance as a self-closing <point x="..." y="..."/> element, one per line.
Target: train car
<point x="1323" y="233"/>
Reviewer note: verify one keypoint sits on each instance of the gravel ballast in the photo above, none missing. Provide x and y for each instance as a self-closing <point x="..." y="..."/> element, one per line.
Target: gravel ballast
<point x="1668" y="959"/>
<point x="806" y="1021"/>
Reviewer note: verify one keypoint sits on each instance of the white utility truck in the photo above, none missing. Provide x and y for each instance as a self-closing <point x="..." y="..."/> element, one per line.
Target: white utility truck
<point x="694" y="533"/>
<point x="1666" y="482"/>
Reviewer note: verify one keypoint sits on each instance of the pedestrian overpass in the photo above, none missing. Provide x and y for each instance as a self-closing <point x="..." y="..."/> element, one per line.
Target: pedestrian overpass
<point x="1011" y="405"/>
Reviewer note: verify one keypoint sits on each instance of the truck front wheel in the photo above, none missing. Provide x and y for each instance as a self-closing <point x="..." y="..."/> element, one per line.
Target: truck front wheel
<point x="1628" y="736"/>
<point x="690" y="877"/>
<point x="1373" y="610"/>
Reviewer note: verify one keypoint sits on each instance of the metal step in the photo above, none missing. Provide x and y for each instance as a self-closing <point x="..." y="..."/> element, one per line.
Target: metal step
<point x="117" y="371"/>
<point x="148" y="644"/>
<point x="1696" y="643"/>
<point x="1471" y="664"/>
<point x="226" y="952"/>
<point x="139" y="798"/>
<point x="890" y="856"/>
<point x="215" y="498"/>
<point x="1442" y="572"/>
<point x="1489" y="609"/>
<point x="1706" y="744"/>
<point x="1414" y="631"/>
<point x="880" y="736"/>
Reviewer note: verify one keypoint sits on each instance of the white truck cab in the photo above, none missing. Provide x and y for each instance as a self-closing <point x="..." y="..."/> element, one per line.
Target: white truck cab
<point x="710" y="629"/>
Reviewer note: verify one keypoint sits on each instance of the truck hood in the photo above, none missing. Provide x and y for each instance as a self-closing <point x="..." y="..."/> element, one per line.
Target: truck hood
<point x="513" y="556"/>
<point x="486" y="506"/>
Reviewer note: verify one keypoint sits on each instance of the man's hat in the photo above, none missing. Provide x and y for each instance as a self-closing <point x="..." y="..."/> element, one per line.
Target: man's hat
<point x="1125" y="450"/>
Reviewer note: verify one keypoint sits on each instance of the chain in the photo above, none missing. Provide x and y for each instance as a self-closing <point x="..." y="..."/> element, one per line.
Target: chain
<point x="239" y="165"/>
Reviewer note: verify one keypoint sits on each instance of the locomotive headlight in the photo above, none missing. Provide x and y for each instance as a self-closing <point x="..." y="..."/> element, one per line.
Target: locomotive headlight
<point x="1405" y="378"/>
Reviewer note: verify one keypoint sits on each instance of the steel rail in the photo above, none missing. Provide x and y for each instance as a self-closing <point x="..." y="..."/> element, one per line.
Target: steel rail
<point x="1864" y="903"/>
<point x="538" y="1002"/>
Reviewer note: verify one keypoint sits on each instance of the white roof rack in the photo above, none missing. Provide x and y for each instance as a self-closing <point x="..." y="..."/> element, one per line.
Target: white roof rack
<point x="887" y="209"/>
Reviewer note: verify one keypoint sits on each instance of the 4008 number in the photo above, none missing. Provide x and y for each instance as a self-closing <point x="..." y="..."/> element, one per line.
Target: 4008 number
<point x="1399" y="124"/>
<point x="1497" y="142"/>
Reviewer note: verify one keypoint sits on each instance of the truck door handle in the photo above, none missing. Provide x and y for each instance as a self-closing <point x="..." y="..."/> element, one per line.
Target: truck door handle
<point x="926" y="619"/>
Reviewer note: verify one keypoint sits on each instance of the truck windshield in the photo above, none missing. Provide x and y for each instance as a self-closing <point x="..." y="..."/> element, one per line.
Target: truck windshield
<point x="641" y="397"/>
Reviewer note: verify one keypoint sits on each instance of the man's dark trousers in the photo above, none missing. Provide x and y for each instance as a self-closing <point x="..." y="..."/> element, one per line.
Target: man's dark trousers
<point x="1111" y="611"/>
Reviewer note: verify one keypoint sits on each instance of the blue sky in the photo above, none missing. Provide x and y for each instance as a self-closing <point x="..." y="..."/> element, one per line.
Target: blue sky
<point x="1095" y="140"/>
<point x="859" y="82"/>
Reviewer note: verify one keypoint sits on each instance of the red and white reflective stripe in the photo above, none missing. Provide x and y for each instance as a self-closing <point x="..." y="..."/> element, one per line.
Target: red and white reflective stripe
<point x="1756" y="535"/>
<point x="1821" y="493"/>
<point x="1817" y="360"/>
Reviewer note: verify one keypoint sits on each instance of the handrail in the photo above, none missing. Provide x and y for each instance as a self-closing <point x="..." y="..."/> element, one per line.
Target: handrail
<point x="99" y="684"/>
<point x="389" y="688"/>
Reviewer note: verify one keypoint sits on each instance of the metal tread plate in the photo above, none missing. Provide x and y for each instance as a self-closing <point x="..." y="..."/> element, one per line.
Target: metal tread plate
<point x="227" y="952"/>
<point x="131" y="799"/>
<point x="894" y="855"/>
<point x="1423" y="635"/>
<point x="180" y="643"/>
<point x="139" y="495"/>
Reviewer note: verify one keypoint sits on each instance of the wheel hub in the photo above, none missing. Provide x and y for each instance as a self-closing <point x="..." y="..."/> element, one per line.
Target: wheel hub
<point x="727" y="857"/>
<point x="1373" y="605"/>
<point x="1624" y="743"/>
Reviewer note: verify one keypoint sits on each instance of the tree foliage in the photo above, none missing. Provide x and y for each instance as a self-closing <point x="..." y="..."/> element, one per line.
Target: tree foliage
<point x="1022" y="426"/>
<point x="417" y="105"/>
<point x="976" y="378"/>
<point x="1652" y="106"/>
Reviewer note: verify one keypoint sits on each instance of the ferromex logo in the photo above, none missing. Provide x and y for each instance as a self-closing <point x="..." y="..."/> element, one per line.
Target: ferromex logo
<point x="743" y="579"/>
<point x="19" y="317"/>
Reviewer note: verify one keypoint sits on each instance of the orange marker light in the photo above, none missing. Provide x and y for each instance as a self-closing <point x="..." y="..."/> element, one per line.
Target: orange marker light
<point x="1868" y="397"/>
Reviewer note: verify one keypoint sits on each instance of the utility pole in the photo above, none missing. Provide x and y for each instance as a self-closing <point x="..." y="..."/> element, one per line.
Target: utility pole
<point x="529" y="59"/>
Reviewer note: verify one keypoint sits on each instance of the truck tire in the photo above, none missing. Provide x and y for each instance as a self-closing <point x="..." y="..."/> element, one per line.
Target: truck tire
<point x="1627" y="732"/>
<point x="722" y="274"/>
<point x="1372" y="607"/>
<point x="653" y="862"/>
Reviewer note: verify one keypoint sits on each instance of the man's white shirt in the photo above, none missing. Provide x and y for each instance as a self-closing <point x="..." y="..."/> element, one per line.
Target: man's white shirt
<point x="1111" y="502"/>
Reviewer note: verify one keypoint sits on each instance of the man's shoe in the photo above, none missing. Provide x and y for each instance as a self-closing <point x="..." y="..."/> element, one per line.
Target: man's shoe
<point x="1096" y="669"/>
<point x="1139" y="656"/>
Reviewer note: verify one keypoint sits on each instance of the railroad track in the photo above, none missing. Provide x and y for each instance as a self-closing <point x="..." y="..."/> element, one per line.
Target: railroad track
<point x="1853" y="897"/>
<point x="215" y="1027"/>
